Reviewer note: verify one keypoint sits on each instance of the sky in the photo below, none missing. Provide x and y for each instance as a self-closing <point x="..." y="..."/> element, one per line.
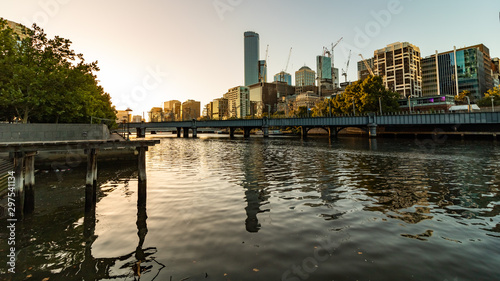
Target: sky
<point x="153" y="51"/>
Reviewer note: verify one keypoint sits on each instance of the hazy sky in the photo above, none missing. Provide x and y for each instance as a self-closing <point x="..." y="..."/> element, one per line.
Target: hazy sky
<point x="153" y="51"/>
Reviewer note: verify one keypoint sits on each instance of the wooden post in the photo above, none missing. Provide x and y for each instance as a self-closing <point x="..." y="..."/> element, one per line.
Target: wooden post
<point x="19" y="185"/>
<point x="90" y="189"/>
<point x="29" y="182"/>
<point x="141" y="161"/>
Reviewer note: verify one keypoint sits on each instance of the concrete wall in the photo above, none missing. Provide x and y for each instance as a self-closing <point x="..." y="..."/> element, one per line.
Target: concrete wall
<point x="52" y="132"/>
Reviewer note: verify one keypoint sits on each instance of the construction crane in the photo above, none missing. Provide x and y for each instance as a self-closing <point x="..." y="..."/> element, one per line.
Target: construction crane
<point x="333" y="47"/>
<point x="367" y="66"/>
<point x="344" y="73"/>
<point x="282" y="76"/>
<point x="261" y="73"/>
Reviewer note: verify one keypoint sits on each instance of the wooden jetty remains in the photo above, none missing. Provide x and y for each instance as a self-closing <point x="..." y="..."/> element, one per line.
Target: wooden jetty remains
<point x="21" y="182"/>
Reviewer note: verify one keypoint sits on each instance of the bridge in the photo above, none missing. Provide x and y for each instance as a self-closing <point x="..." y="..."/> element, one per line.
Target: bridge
<point x="476" y="121"/>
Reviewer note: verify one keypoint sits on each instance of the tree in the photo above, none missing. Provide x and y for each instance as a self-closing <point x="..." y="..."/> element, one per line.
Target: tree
<point x="44" y="80"/>
<point x="364" y="96"/>
<point x="492" y="93"/>
<point x="461" y="98"/>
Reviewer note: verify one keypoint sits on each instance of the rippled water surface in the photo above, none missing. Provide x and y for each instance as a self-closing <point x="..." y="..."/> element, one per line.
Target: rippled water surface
<point x="274" y="209"/>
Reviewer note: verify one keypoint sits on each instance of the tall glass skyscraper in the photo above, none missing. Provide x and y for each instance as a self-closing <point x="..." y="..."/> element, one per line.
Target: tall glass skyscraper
<point x="251" y="58"/>
<point x="283" y="77"/>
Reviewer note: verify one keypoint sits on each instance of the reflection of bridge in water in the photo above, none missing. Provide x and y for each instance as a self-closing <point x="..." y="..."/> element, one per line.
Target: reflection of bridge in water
<point x="454" y="123"/>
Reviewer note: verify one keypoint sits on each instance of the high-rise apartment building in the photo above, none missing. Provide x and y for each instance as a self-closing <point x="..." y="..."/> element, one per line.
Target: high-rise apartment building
<point x="220" y="109"/>
<point x="283" y="77"/>
<point x="238" y="101"/>
<point x="305" y="77"/>
<point x="324" y="71"/>
<point x="262" y="71"/>
<point x="251" y="50"/>
<point x="190" y="109"/>
<point x="496" y="72"/>
<point x="363" y="71"/>
<point x="172" y="109"/>
<point x="399" y="65"/>
<point x="458" y="70"/>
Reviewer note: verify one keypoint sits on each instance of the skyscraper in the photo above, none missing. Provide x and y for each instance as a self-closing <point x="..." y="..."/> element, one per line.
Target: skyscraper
<point x="283" y="77"/>
<point x="452" y="72"/>
<point x="305" y="77"/>
<point x="251" y="49"/>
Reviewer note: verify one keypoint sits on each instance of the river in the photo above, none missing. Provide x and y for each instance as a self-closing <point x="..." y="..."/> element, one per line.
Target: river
<point x="279" y="208"/>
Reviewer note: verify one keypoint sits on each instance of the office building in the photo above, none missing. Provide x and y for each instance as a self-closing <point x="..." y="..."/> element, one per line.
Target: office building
<point x="156" y="114"/>
<point x="336" y="77"/>
<point x="251" y="50"/>
<point x="262" y="71"/>
<point x="190" y="110"/>
<point x="172" y="110"/>
<point x="265" y="96"/>
<point x="495" y="69"/>
<point x="458" y="70"/>
<point x="220" y="109"/>
<point x="324" y="71"/>
<point x="363" y="71"/>
<point x="137" y="119"/>
<point x="399" y="65"/>
<point x="283" y="77"/>
<point x="123" y="116"/>
<point x="305" y="77"/>
<point x="238" y="102"/>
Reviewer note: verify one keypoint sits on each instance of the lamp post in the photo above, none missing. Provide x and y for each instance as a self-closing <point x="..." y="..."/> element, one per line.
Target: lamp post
<point x="492" y="105"/>
<point x="353" y="107"/>
<point x="468" y="104"/>
<point x="380" y="104"/>
<point x="409" y="104"/>
<point x="128" y="110"/>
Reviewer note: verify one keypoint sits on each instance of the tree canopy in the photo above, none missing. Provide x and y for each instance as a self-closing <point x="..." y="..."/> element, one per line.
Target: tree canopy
<point x="363" y="96"/>
<point x="44" y="80"/>
<point x="492" y="93"/>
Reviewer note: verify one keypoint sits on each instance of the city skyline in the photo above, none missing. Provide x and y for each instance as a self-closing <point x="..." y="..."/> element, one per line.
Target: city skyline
<point x="153" y="52"/>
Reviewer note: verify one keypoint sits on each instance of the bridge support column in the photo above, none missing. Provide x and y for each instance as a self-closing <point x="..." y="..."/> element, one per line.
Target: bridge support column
<point x="372" y="130"/>
<point x="185" y="132"/>
<point x="265" y="131"/>
<point x="141" y="163"/>
<point x="141" y="132"/>
<point x="195" y="132"/>
<point x="332" y="132"/>
<point x="19" y="184"/>
<point x="178" y="132"/>
<point x="29" y="182"/>
<point x="246" y="132"/>
<point x="303" y="132"/>
<point x="91" y="179"/>
<point x="231" y="132"/>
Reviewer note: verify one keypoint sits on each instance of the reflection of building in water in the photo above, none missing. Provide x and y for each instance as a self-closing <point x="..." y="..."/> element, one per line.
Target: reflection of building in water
<point x="256" y="194"/>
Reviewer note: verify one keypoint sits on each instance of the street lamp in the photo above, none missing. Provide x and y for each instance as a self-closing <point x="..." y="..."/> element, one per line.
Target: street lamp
<point x="128" y="110"/>
<point x="353" y="107"/>
<point x="380" y="104"/>
<point x="492" y="105"/>
<point x="409" y="103"/>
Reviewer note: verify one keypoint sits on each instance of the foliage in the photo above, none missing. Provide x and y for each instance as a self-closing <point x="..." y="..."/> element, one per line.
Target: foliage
<point x="43" y="80"/>
<point x="461" y="98"/>
<point x="492" y="93"/>
<point x="364" y="95"/>
<point x="301" y="112"/>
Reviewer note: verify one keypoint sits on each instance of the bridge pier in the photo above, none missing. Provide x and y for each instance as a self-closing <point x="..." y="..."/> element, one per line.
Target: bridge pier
<point x="246" y="132"/>
<point x="372" y="130"/>
<point x="178" y="132"/>
<point x="185" y="132"/>
<point x="141" y="162"/>
<point x="303" y="132"/>
<point x="332" y="132"/>
<point x="195" y="132"/>
<point x="265" y="131"/>
<point x="231" y="132"/>
<point x="141" y="132"/>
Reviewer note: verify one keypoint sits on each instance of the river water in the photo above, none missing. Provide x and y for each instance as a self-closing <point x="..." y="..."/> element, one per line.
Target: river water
<point x="273" y="209"/>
